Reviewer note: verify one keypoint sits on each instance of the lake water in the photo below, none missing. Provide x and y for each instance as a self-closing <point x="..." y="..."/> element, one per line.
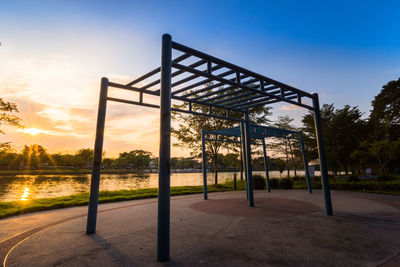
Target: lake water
<point x="25" y="187"/>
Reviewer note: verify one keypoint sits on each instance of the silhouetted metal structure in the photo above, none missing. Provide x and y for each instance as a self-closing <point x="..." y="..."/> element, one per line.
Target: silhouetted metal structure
<point x="196" y="78"/>
<point x="257" y="132"/>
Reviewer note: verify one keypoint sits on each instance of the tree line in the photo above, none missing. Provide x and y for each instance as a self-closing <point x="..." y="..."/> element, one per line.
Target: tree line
<point x="353" y="142"/>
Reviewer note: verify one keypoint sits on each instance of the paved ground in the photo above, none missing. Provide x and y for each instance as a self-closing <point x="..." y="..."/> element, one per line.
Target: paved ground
<point x="286" y="228"/>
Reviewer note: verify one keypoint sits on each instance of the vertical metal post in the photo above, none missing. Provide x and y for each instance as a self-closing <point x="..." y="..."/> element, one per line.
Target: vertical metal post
<point x="96" y="165"/>
<point x="248" y="157"/>
<point x="322" y="157"/>
<point x="163" y="229"/>
<point x="303" y="150"/>
<point x="243" y="143"/>
<point x="204" y="165"/>
<point x="266" y="165"/>
<point x="234" y="181"/>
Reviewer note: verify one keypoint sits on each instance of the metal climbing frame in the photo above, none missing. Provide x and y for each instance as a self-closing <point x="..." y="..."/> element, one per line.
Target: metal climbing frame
<point x="197" y="79"/>
<point x="257" y="132"/>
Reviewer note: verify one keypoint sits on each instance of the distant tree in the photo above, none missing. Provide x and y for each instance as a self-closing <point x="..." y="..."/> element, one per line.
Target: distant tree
<point x="34" y="156"/>
<point x="136" y="159"/>
<point x="84" y="157"/>
<point x="286" y="144"/>
<point x="8" y="118"/>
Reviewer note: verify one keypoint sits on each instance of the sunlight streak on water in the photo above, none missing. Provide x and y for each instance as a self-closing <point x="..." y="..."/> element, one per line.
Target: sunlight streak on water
<point x="25" y="195"/>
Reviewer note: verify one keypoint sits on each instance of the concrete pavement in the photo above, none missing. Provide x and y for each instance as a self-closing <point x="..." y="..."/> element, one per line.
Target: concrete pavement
<point x="286" y="228"/>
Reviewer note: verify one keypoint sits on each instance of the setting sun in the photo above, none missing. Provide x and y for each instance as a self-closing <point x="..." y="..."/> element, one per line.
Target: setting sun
<point x="33" y="131"/>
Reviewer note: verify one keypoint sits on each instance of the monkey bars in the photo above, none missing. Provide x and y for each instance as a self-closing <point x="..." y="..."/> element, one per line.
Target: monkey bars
<point x="196" y="78"/>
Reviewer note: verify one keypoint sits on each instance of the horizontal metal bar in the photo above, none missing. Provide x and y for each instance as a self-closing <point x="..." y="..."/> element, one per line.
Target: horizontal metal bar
<point x="174" y="74"/>
<point x="242" y="101"/>
<point x="132" y="102"/>
<point x="227" y="88"/>
<point x="288" y="101"/>
<point x="226" y="141"/>
<point x="155" y="71"/>
<point x="179" y="66"/>
<point x="260" y="100"/>
<point x="135" y="89"/>
<point x="194" y="84"/>
<point x="144" y="77"/>
<point x="121" y="86"/>
<point x="206" y="115"/>
<point x="197" y="53"/>
<point x="204" y="103"/>
<point x="229" y="72"/>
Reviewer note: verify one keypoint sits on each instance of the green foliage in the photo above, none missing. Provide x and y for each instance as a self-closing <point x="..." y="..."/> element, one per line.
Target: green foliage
<point x="6" y="114"/>
<point x="386" y="105"/>
<point x="298" y="178"/>
<point x="258" y="182"/>
<point x="285" y="183"/>
<point x="385" y="178"/>
<point x="274" y="182"/>
<point x="135" y="159"/>
<point x="353" y="178"/>
<point x="367" y="186"/>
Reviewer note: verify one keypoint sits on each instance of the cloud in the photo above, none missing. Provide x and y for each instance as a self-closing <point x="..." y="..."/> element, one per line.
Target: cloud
<point x="289" y="107"/>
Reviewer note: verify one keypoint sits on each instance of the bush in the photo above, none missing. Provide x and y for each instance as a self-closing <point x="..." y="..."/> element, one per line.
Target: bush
<point x="353" y="178"/>
<point x="367" y="186"/>
<point x="285" y="183"/>
<point x="299" y="178"/>
<point x="386" y="177"/>
<point x="258" y="182"/>
<point x="274" y="183"/>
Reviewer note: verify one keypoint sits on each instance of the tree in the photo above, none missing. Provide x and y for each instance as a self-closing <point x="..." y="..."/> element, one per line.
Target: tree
<point x="343" y="132"/>
<point x="285" y="143"/>
<point x="386" y="105"/>
<point x="188" y="131"/>
<point x="34" y="156"/>
<point x="136" y="159"/>
<point x="84" y="157"/>
<point x="8" y="118"/>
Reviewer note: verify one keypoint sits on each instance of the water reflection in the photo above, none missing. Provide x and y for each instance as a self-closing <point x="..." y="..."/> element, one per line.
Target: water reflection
<point x="25" y="187"/>
<point x="25" y="195"/>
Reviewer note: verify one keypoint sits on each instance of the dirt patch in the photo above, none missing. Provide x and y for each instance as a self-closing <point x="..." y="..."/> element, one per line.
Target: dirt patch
<point x="263" y="207"/>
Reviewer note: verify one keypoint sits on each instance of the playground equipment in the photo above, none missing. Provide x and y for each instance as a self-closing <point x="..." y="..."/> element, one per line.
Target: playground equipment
<point x="200" y="79"/>
<point x="257" y="132"/>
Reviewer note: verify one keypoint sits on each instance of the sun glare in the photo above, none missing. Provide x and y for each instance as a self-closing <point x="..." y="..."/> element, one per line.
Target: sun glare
<point x="25" y="195"/>
<point x="33" y="131"/>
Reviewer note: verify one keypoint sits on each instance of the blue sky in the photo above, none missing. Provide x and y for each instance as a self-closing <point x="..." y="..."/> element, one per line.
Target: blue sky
<point x="344" y="50"/>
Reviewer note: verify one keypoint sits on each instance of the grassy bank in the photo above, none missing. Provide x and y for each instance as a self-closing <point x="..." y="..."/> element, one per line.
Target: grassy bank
<point x="384" y="185"/>
<point x="12" y="208"/>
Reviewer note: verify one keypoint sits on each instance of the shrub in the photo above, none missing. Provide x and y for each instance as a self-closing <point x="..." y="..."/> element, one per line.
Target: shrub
<point x="285" y="183"/>
<point x="258" y="182"/>
<point x="386" y="177"/>
<point x="299" y="178"/>
<point x="353" y="178"/>
<point x="274" y="182"/>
